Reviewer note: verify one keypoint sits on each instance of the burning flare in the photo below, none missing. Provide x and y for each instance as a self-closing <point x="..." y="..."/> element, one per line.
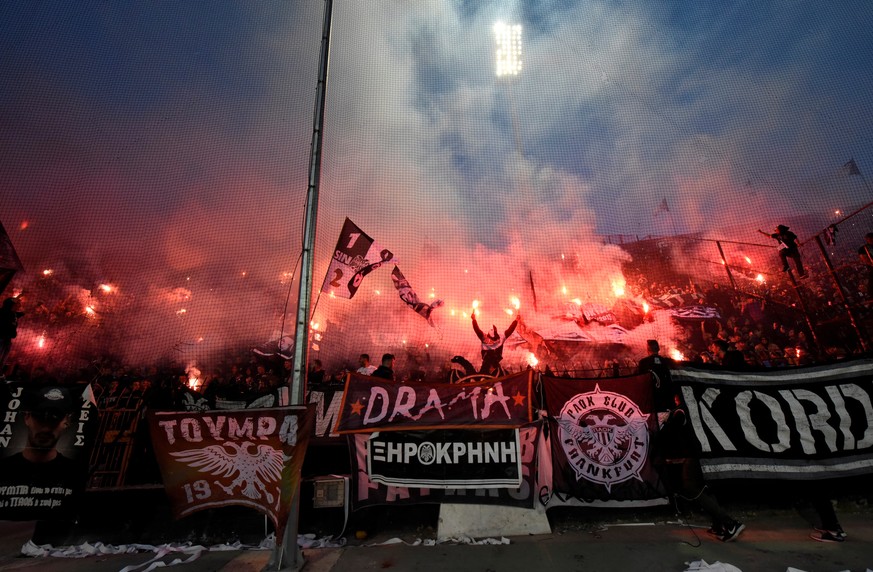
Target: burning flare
<point x="532" y="359"/>
<point x="618" y="285"/>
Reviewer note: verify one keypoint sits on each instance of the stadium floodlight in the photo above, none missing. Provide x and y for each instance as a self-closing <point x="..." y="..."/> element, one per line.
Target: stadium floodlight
<point x="508" y="39"/>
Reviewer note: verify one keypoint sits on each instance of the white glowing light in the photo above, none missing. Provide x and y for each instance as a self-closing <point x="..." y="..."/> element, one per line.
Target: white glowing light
<point x="40" y="341"/>
<point x="509" y="311"/>
<point x="90" y="310"/>
<point x="47" y="272"/>
<point x="760" y="278"/>
<point x="516" y="303"/>
<point x="677" y="355"/>
<point x="748" y="260"/>
<point x="577" y="301"/>
<point x="508" y="53"/>
<point x="181" y="311"/>
<point x="378" y="292"/>
<point x="645" y="307"/>
<point x="532" y="359"/>
<point x="563" y="289"/>
<point x="618" y="287"/>
<point x="106" y="288"/>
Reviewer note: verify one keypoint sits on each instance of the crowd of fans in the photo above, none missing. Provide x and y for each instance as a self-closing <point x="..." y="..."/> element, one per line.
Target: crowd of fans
<point x="778" y="322"/>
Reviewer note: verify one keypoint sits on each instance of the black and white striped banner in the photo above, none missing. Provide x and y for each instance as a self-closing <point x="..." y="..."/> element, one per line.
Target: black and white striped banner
<point x="800" y="423"/>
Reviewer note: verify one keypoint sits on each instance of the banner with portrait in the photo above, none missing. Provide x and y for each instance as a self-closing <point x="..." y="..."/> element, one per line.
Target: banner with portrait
<point x="46" y="437"/>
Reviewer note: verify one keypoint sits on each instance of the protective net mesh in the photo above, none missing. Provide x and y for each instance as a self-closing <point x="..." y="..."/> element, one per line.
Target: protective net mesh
<point x="155" y="163"/>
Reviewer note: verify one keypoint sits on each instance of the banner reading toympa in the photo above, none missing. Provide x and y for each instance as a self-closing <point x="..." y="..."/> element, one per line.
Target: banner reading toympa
<point x="249" y="458"/>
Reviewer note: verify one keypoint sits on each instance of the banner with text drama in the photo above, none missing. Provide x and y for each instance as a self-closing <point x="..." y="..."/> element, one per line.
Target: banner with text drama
<point x="374" y="404"/>
<point x="600" y="433"/>
<point x="247" y="458"/>
<point x="800" y="423"/>
<point x="46" y="437"/>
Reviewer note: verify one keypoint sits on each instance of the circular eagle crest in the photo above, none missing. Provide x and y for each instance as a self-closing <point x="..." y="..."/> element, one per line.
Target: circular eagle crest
<point x="604" y="436"/>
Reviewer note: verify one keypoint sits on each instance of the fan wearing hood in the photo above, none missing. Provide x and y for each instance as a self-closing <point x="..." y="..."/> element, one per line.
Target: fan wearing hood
<point x="492" y="345"/>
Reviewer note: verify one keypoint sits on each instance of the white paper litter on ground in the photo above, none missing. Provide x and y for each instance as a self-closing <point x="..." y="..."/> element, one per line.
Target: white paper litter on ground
<point x="452" y="540"/>
<point x="702" y="566"/>
<point x="187" y="550"/>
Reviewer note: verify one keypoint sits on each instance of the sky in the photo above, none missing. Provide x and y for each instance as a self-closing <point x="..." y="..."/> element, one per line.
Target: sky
<point x="164" y="148"/>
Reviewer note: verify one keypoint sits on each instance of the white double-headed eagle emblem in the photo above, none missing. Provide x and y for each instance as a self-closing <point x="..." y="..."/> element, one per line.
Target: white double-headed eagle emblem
<point x="606" y="442"/>
<point x="255" y="467"/>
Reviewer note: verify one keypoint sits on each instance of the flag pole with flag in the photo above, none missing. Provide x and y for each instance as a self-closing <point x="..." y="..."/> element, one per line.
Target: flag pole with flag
<point x="850" y="168"/>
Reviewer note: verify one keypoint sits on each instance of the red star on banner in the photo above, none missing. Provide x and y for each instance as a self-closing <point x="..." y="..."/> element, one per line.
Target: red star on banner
<point x="357" y="406"/>
<point x="519" y="398"/>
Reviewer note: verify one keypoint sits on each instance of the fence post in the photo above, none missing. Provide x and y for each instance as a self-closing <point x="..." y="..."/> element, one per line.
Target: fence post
<point x="827" y="261"/>
<point x="727" y="266"/>
<point x="804" y="310"/>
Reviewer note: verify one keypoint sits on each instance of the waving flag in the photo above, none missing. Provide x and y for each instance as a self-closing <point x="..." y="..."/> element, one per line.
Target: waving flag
<point x="408" y="295"/>
<point x="355" y="256"/>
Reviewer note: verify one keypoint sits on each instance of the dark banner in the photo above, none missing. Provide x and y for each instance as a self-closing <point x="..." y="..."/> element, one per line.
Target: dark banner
<point x="798" y="423"/>
<point x="373" y="404"/>
<point x="194" y="401"/>
<point x="600" y="431"/>
<point x="248" y="458"/>
<point x="445" y="459"/>
<point x="46" y="437"/>
<point x="366" y="492"/>
<point x="327" y="401"/>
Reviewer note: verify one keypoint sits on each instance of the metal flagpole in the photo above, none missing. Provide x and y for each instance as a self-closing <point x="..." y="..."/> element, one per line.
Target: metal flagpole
<point x="304" y="297"/>
<point x="288" y="556"/>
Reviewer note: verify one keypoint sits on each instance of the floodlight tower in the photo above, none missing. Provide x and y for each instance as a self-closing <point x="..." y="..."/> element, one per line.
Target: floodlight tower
<point x="508" y="66"/>
<point x="508" y="53"/>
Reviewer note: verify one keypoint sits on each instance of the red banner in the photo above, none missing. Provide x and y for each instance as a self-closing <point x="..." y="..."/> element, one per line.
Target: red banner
<point x="375" y="404"/>
<point x="220" y="458"/>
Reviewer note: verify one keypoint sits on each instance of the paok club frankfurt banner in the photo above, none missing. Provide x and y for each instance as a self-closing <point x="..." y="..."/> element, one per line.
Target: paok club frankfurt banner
<point x="800" y="423"/>
<point x="46" y="437"/>
<point x="368" y="492"/>
<point x="248" y="458"/>
<point x="600" y="431"/>
<point x="374" y="404"/>
<point x="355" y="256"/>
